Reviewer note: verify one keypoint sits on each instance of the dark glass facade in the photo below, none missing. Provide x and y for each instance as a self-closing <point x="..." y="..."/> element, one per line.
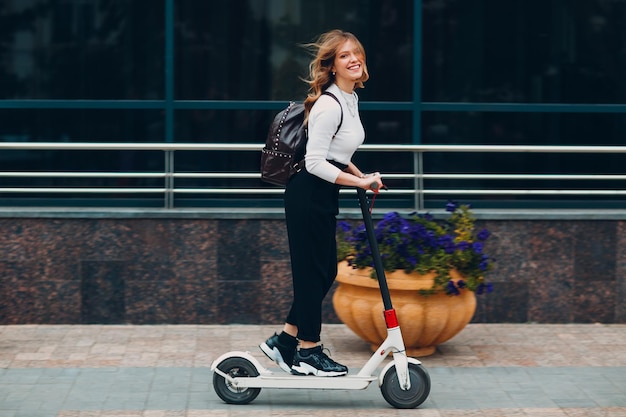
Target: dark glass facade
<point x="82" y="49"/>
<point x="495" y="72"/>
<point x="524" y="51"/>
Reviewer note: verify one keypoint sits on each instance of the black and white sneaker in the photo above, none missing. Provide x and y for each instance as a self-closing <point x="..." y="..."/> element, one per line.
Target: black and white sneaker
<point x="281" y="349"/>
<point x="314" y="361"/>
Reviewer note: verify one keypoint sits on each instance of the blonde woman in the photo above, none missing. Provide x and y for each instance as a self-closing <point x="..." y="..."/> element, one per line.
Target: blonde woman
<point x="312" y="200"/>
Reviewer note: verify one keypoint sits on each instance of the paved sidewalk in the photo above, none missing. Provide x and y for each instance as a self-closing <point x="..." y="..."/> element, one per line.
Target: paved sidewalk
<point x="163" y="371"/>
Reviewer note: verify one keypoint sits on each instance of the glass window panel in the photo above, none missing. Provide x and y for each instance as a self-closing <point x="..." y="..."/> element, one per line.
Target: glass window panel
<point x="77" y="49"/>
<point x="51" y="167"/>
<point x="223" y="126"/>
<point x="249" y="50"/>
<point x="251" y="126"/>
<point x="510" y="128"/>
<point x="78" y="125"/>
<point x="78" y="199"/>
<point x="32" y="125"/>
<point x="524" y="51"/>
<point x="502" y="128"/>
<point x="387" y="127"/>
<point x="82" y="160"/>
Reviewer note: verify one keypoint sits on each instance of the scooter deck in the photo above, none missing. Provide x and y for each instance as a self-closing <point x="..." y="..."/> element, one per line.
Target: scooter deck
<point x="269" y="379"/>
<point x="299" y="381"/>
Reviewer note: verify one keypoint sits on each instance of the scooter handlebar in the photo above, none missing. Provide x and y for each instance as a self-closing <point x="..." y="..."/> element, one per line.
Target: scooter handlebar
<point x="374" y="187"/>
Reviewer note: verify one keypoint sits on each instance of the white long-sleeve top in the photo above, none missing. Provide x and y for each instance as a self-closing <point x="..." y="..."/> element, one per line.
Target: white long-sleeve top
<point x="324" y="118"/>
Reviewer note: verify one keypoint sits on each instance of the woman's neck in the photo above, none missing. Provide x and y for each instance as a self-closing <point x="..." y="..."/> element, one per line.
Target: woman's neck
<point x="346" y="86"/>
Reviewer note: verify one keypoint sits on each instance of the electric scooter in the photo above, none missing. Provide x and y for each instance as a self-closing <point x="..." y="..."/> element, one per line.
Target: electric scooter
<point x="238" y="377"/>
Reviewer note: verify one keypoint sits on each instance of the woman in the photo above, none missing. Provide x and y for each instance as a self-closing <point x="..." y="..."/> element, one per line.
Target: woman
<point x="312" y="200"/>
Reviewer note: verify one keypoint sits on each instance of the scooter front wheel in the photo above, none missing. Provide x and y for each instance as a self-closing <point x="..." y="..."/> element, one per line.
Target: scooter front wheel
<point x="237" y="368"/>
<point x="411" y="398"/>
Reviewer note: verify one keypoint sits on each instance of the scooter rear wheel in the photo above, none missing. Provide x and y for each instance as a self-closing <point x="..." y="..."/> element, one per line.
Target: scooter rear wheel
<point x="417" y="394"/>
<point x="237" y="368"/>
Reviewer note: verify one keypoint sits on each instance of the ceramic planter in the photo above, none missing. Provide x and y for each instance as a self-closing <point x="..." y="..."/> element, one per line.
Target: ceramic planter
<point x="425" y="321"/>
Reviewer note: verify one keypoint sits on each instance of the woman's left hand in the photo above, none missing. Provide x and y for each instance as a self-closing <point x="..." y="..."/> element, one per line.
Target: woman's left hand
<point x="372" y="181"/>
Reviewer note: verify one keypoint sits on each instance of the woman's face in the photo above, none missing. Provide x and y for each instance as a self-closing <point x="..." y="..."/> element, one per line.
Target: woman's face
<point x="348" y="65"/>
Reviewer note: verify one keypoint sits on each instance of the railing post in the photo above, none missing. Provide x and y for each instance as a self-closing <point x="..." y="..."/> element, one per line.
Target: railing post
<point x="169" y="180"/>
<point x="418" y="168"/>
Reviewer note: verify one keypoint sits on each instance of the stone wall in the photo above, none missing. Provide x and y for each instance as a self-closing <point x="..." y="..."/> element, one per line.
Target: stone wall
<point x="220" y="270"/>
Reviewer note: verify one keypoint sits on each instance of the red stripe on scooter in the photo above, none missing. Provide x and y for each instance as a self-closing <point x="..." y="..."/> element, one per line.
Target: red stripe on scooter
<point x="391" y="319"/>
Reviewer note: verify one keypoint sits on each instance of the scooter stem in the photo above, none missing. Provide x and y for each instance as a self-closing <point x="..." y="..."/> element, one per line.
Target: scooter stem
<point x="378" y="263"/>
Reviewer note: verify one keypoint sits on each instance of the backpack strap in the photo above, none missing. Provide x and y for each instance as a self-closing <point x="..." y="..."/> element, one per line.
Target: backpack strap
<point x="297" y="166"/>
<point x="328" y="93"/>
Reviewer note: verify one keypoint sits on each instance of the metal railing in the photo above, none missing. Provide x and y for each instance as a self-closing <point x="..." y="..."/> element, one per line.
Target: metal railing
<point x="416" y="181"/>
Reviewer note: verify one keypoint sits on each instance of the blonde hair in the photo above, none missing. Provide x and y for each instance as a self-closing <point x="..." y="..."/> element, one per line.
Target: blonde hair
<point x="320" y="75"/>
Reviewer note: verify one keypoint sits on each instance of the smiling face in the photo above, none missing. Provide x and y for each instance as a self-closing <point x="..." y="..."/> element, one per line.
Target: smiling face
<point x="348" y="65"/>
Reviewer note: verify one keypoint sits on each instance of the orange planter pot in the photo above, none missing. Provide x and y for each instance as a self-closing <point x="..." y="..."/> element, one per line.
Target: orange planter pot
<point x="425" y="321"/>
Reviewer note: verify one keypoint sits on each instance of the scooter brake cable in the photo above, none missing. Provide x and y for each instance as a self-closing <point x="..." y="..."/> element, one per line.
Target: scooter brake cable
<point x="374" y="187"/>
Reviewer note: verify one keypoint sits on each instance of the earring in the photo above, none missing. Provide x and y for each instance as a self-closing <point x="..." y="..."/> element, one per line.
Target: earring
<point x="333" y="73"/>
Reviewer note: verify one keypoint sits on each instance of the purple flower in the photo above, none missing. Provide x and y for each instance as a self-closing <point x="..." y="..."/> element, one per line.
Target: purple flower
<point x="447" y="243"/>
<point x="483" y="234"/>
<point x="420" y="241"/>
<point x="390" y="216"/>
<point x="482" y="288"/>
<point x="344" y="226"/>
<point x="484" y="263"/>
<point x="478" y="247"/>
<point x="464" y="245"/>
<point x="451" y="289"/>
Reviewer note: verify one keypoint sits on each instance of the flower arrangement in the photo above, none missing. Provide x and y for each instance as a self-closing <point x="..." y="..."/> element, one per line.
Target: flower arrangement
<point x="420" y="243"/>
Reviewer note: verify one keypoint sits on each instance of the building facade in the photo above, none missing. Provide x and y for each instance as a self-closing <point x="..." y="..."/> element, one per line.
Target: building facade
<point x="443" y="72"/>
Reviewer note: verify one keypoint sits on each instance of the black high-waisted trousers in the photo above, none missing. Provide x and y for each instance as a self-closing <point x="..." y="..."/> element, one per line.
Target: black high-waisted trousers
<point x="311" y="208"/>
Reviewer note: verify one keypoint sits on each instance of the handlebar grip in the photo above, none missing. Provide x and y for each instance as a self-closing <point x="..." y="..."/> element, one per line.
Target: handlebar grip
<point x="374" y="187"/>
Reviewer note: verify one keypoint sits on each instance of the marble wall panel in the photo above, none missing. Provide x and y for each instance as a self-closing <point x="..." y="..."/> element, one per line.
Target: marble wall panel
<point x="140" y="270"/>
<point x="620" y="273"/>
<point x="508" y="302"/>
<point x="238" y="250"/>
<point x="595" y="251"/>
<point x="103" y="291"/>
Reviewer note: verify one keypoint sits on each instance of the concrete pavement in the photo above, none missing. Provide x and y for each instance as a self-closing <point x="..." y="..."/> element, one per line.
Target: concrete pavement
<point x="163" y="371"/>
